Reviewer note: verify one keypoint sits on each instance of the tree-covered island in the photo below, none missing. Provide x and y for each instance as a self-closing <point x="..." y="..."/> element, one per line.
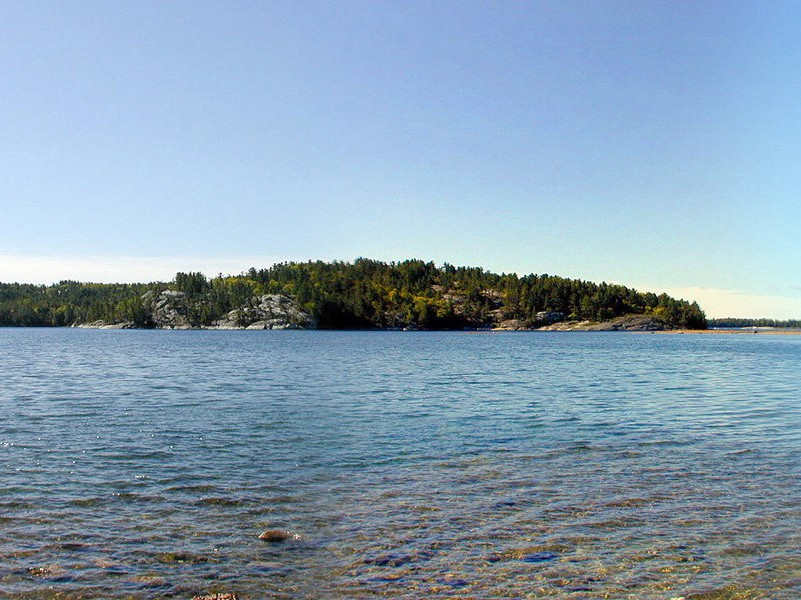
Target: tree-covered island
<point x="739" y="322"/>
<point x="411" y="294"/>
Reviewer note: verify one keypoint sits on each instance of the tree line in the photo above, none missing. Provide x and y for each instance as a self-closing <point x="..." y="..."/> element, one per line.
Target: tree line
<point x="360" y="294"/>
<point x="741" y="322"/>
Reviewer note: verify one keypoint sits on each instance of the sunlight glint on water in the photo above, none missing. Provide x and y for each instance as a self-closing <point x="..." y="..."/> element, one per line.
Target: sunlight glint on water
<point x="146" y="463"/>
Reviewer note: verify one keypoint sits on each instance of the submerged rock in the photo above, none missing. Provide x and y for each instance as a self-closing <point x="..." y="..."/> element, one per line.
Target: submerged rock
<point x="728" y="592"/>
<point x="278" y="535"/>
<point x="46" y="571"/>
<point x="537" y="557"/>
<point x="216" y="597"/>
<point x="540" y="553"/>
<point x="181" y="557"/>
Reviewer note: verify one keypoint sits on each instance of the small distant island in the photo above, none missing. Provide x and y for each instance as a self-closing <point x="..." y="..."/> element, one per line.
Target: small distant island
<point x="363" y="294"/>
<point x="739" y="323"/>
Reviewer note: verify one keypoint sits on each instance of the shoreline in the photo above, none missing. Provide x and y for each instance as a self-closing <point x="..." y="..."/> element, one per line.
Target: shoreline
<point x="465" y="331"/>
<point x="728" y="331"/>
<point x="469" y="331"/>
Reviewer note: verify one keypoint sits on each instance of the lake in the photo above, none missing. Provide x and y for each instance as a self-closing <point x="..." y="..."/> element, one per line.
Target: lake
<point x="145" y="464"/>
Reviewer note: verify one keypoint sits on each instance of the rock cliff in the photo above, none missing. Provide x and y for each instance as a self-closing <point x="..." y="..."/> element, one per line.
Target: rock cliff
<point x="170" y="309"/>
<point x="270" y="311"/>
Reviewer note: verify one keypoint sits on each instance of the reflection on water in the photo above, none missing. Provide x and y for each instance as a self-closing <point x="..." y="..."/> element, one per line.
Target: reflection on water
<point x="145" y="464"/>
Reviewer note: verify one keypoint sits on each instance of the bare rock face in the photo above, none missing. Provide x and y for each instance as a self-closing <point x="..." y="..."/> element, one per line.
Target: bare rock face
<point x="99" y="324"/>
<point x="624" y="323"/>
<point x="171" y="309"/>
<point x="632" y="323"/>
<point x="511" y="325"/>
<point x="168" y="309"/>
<point x="270" y="311"/>
<point x="550" y="316"/>
<point x="570" y="326"/>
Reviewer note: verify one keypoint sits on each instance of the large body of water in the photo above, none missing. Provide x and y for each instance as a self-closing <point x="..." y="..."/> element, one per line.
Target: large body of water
<point x="145" y="464"/>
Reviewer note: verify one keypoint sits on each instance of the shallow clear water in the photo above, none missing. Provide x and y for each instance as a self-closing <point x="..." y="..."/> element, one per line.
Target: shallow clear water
<point x="145" y="464"/>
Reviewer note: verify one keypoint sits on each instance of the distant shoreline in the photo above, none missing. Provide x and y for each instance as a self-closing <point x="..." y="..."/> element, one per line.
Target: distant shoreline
<point x="723" y="331"/>
<point x="731" y="331"/>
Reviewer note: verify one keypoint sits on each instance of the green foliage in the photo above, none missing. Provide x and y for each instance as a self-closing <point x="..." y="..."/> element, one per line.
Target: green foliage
<point x="193" y="285"/>
<point x="70" y="302"/>
<point x="132" y="310"/>
<point x="362" y="294"/>
<point x="739" y="322"/>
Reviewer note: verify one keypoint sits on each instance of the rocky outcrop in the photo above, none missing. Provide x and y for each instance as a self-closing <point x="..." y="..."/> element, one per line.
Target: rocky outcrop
<point x="570" y="326"/>
<point x="168" y="309"/>
<point x="511" y="325"/>
<point x="550" y="316"/>
<point x="270" y="311"/>
<point x="99" y="324"/>
<point x="624" y="323"/>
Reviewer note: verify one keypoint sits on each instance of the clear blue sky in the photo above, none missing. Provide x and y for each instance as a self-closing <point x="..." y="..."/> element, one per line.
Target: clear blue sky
<point x="655" y="144"/>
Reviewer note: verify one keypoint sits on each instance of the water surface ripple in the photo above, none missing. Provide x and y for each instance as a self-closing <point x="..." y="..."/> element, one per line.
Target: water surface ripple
<point x="144" y="464"/>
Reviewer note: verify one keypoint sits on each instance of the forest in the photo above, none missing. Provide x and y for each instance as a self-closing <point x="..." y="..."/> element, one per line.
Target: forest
<point x="361" y="294"/>
<point x="743" y="322"/>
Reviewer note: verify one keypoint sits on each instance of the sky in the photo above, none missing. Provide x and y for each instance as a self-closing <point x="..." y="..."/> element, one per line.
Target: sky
<point x="653" y="144"/>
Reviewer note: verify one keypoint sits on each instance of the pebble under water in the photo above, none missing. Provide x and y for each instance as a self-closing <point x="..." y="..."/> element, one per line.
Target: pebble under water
<point x="146" y="464"/>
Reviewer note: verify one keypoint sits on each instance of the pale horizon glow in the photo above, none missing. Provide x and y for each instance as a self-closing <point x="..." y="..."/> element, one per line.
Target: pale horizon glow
<point x="46" y="270"/>
<point x="721" y="303"/>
